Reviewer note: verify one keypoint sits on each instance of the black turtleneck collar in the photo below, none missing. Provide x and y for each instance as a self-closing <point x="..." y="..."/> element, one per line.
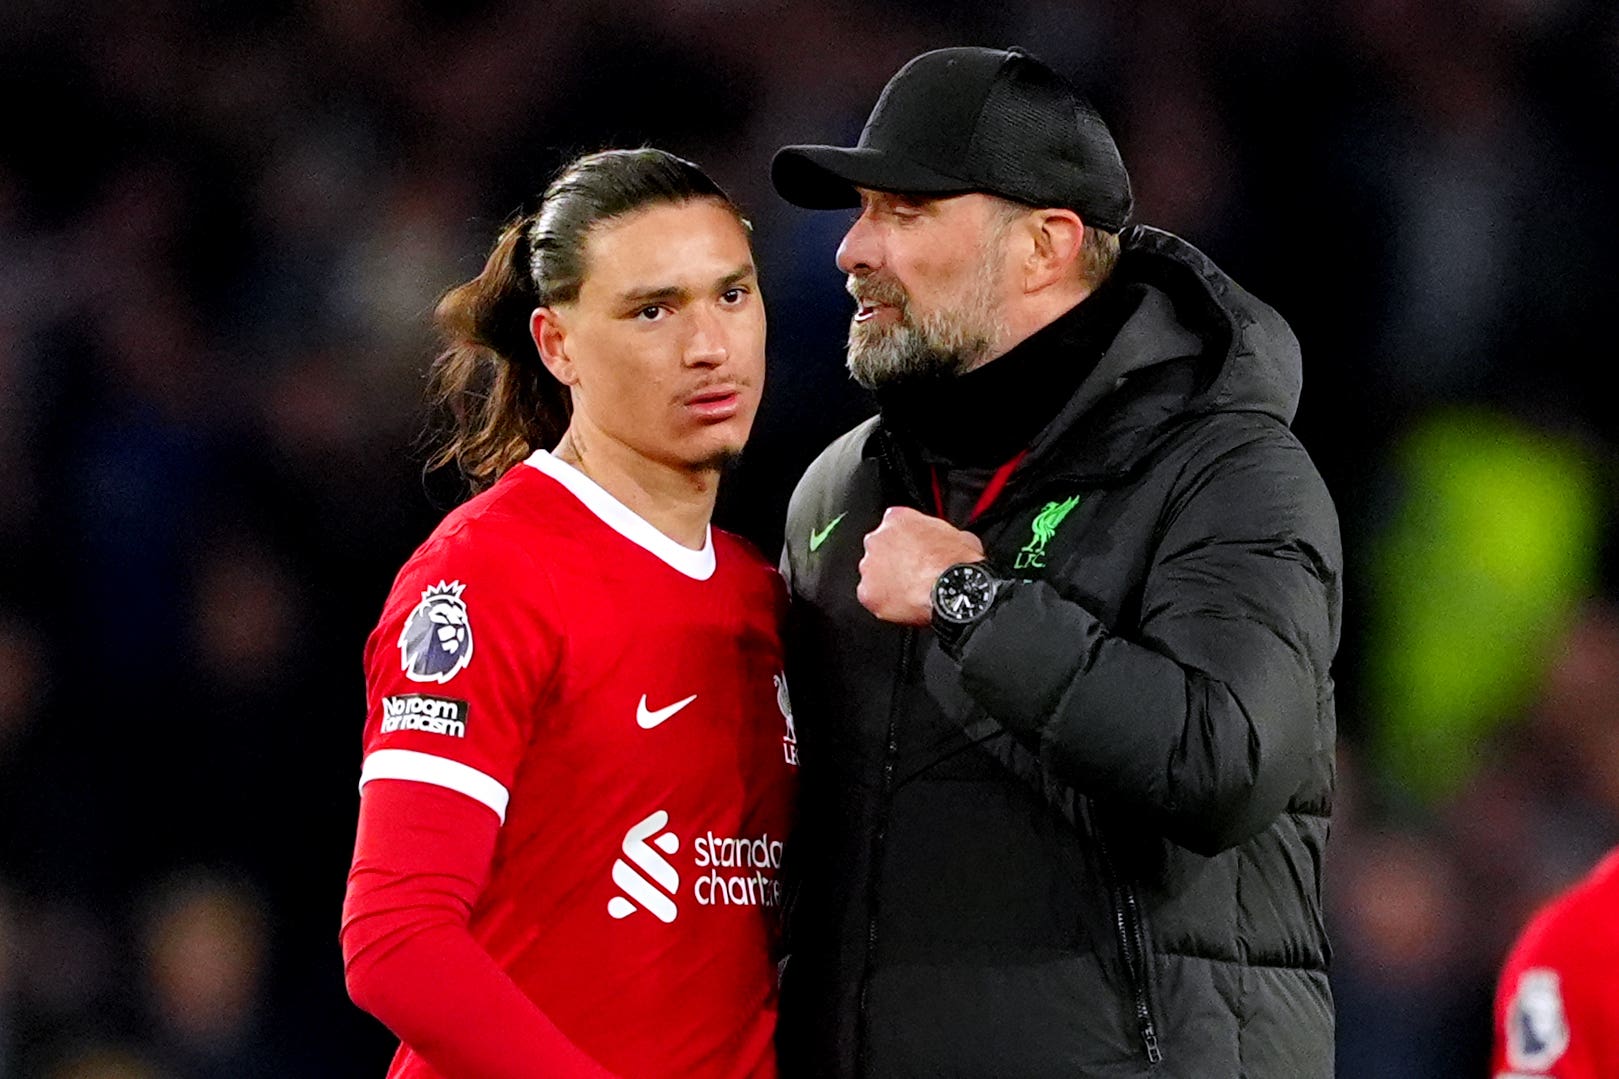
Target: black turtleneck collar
<point x="984" y="417"/>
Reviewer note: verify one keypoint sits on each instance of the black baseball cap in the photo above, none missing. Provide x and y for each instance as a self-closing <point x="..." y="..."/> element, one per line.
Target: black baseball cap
<point x="952" y="121"/>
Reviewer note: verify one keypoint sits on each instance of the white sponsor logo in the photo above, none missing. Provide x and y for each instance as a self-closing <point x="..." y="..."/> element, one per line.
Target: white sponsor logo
<point x="418" y="712"/>
<point x="649" y="719"/>
<point x="436" y="643"/>
<point x="655" y="867"/>
<point x="741" y="871"/>
<point x="789" y="743"/>
<point x="1537" y="1030"/>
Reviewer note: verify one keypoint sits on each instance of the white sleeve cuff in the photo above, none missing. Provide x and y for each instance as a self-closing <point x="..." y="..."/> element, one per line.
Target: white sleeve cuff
<point x="439" y="771"/>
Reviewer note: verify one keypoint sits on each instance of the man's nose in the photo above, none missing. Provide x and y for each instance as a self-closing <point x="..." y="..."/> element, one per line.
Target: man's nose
<point x="707" y="347"/>
<point x="861" y="250"/>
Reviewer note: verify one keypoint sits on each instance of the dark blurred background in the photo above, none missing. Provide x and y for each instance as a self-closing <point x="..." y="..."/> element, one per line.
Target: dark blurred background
<point x="223" y="227"/>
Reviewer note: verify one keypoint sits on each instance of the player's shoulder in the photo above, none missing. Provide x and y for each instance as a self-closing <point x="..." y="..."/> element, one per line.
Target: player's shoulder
<point x="1556" y="995"/>
<point x="516" y="511"/>
<point x="1571" y="941"/>
<point x="748" y="560"/>
<point x="741" y="549"/>
<point x="500" y="536"/>
<point x="1579" y="924"/>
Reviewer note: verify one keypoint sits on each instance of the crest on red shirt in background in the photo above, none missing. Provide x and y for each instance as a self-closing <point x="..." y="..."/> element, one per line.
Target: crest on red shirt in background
<point x="1537" y="1028"/>
<point x="789" y="743"/>
<point x="436" y="643"/>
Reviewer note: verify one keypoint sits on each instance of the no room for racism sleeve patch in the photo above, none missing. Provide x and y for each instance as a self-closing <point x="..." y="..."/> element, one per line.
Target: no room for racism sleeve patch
<point x="419" y="712"/>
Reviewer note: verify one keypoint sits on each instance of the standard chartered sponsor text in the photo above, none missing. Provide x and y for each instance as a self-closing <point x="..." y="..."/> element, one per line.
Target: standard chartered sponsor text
<point x="751" y="862"/>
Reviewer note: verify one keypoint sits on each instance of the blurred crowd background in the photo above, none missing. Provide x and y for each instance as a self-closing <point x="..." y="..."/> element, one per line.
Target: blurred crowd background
<point x="223" y="227"/>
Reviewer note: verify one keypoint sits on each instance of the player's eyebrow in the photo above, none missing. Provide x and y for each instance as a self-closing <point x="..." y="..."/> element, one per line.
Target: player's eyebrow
<point x="650" y="294"/>
<point x="676" y="294"/>
<point x="735" y="277"/>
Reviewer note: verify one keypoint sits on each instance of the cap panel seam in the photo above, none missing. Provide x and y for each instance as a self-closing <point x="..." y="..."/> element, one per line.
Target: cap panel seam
<point x="978" y="118"/>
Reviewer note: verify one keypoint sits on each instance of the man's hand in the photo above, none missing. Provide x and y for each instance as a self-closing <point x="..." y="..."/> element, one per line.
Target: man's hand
<point x="904" y="556"/>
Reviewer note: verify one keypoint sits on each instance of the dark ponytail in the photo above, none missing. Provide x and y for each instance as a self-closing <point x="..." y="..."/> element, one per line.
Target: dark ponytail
<point x="502" y="402"/>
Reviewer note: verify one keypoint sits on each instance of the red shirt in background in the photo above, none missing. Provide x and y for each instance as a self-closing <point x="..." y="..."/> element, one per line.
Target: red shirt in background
<point x="1557" y="1006"/>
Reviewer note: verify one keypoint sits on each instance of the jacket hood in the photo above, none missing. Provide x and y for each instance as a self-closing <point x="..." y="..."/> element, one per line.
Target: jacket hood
<point x="1196" y="343"/>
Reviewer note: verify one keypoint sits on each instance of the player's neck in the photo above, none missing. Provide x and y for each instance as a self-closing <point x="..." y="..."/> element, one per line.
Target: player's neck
<point x="678" y="502"/>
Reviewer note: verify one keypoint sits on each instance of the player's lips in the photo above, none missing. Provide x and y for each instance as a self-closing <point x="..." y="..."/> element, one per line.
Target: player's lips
<point x="715" y="403"/>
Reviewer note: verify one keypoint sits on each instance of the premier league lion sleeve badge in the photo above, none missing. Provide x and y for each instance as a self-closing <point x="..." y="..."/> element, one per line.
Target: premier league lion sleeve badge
<point x="436" y="643"/>
<point x="1537" y="1027"/>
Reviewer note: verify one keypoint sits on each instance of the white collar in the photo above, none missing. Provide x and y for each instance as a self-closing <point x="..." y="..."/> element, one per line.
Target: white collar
<point x="698" y="564"/>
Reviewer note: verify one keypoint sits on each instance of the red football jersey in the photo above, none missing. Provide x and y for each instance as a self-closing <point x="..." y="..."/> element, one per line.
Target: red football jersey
<point x="1557" y="1006"/>
<point x="618" y="701"/>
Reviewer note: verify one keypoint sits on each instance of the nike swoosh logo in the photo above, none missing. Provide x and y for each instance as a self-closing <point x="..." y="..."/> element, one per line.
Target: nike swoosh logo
<point x="818" y="538"/>
<point x="649" y="719"/>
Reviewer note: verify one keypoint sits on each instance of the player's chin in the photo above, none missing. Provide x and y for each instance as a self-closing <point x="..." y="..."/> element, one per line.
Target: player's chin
<point x="721" y="460"/>
<point x="717" y="446"/>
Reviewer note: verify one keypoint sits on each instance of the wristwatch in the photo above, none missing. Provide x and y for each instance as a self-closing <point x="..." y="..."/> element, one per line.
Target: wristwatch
<point x="962" y="596"/>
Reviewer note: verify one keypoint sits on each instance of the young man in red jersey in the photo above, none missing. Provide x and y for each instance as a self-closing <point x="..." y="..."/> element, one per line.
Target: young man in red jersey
<point x="579" y="752"/>
<point x="1557" y="1006"/>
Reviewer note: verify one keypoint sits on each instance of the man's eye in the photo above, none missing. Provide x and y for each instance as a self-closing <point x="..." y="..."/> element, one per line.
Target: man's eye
<point x="733" y="295"/>
<point x="650" y="313"/>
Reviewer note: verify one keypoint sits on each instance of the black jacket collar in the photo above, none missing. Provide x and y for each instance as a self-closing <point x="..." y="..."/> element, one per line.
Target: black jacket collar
<point x="1183" y="339"/>
<point x="985" y="417"/>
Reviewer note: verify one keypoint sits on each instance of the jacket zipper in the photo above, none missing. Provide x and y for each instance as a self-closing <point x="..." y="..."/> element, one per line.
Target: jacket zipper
<point x="894" y="462"/>
<point x="1133" y="943"/>
<point x="880" y="836"/>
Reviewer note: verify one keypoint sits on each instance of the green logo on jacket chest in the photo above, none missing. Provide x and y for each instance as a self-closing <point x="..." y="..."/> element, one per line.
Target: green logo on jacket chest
<point x="818" y="536"/>
<point x="1033" y="554"/>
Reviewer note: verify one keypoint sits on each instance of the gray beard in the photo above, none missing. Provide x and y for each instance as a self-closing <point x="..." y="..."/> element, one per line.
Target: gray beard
<point x="942" y="344"/>
<point x="907" y="351"/>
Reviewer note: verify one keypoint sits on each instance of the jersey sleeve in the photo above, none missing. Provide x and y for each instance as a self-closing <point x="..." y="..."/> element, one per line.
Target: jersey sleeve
<point x="1558" y="999"/>
<point x="459" y="666"/>
<point x="422" y="857"/>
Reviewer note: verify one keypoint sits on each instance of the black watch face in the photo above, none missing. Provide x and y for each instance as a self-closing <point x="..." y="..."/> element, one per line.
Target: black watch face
<point x="964" y="593"/>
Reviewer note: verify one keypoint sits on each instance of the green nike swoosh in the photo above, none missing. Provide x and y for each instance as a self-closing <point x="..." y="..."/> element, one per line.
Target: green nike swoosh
<point x="819" y="537"/>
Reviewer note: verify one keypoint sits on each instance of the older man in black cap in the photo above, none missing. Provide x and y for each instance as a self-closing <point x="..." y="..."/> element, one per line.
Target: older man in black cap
<point x="1063" y="619"/>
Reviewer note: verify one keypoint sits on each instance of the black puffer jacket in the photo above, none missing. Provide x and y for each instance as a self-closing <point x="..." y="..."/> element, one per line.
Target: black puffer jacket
<point x="1091" y="847"/>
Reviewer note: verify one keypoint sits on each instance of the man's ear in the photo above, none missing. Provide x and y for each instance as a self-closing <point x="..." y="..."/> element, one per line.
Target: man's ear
<point x="1057" y="235"/>
<point x="550" y="335"/>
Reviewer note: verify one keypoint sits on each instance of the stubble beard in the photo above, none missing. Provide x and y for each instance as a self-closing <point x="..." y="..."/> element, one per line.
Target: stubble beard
<point x="938" y="344"/>
<point x="723" y="461"/>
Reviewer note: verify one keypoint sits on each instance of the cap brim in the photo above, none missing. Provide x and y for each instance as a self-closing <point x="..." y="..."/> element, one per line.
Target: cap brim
<point x="825" y="177"/>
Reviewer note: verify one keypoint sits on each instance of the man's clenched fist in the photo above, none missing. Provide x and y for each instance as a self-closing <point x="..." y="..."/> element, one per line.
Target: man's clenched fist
<point x="904" y="556"/>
